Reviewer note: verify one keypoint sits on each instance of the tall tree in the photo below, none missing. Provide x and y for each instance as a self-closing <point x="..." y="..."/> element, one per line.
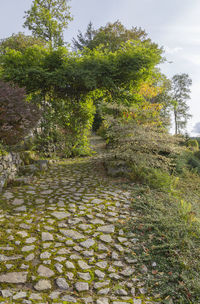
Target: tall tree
<point x="47" y="19"/>
<point x="84" y="40"/>
<point x="180" y="91"/>
<point x="110" y="36"/>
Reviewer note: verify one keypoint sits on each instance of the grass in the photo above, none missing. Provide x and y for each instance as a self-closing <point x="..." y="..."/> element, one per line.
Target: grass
<point x="168" y="229"/>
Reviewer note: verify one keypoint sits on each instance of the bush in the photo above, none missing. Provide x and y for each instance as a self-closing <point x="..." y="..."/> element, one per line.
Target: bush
<point x="17" y="116"/>
<point x="193" y="144"/>
<point x="65" y="128"/>
<point x="144" y="146"/>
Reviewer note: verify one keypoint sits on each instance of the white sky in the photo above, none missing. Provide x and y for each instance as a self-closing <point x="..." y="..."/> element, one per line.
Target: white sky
<point x="173" y="24"/>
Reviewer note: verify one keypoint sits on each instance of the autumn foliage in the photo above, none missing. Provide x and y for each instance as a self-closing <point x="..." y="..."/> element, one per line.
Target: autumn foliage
<point x="17" y="116"/>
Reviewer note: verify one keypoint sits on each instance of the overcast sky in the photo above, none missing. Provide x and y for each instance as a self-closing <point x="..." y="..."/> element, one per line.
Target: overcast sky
<point x="173" y="24"/>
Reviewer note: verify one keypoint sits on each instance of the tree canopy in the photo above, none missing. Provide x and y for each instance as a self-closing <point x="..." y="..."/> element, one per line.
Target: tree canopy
<point x="19" y="42"/>
<point x="47" y="19"/>
<point x="72" y="75"/>
<point x="109" y="37"/>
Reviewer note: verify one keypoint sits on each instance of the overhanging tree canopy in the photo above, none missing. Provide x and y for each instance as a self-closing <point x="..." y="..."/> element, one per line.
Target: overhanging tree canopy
<point x="70" y="75"/>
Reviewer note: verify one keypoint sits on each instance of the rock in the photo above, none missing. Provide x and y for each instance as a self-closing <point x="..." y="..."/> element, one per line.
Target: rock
<point x="44" y="271"/>
<point x="96" y="201"/>
<point x="30" y="257"/>
<point x="106" y="229"/>
<point x="98" y="285"/>
<point x="104" y="291"/>
<point x="28" y="248"/>
<point x="59" y="267"/>
<point x="43" y="285"/>
<point x="19" y="295"/>
<point x="84" y="226"/>
<point x="60" y="215"/>
<point x="119" y="247"/>
<point x="88" y="253"/>
<point x="69" y="299"/>
<point x="119" y="302"/>
<point x="62" y="284"/>
<point x="21" y="209"/>
<point x="17" y="202"/>
<point x="60" y="259"/>
<point x="137" y="301"/>
<point x="103" y="301"/>
<point x="102" y="247"/>
<point x="99" y="274"/>
<point x="83" y="265"/>
<point x="75" y="235"/>
<point x="63" y="251"/>
<point x="114" y="276"/>
<point x="127" y="272"/>
<point x="69" y="265"/>
<point x="98" y="222"/>
<point x="69" y="275"/>
<point x="54" y="295"/>
<point x="118" y="264"/>
<point x="8" y="266"/>
<point x="106" y="238"/>
<point x="46" y="236"/>
<point x="122" y="239"/>
<point x="6" y="293"/>
<point x="45" y="255"/>
<point x="4" y="258"/>
<point x="14" y="277"/>
<point x="102" y="264"/>
<point x="87" y="300"/>
<point x="31" y="240"/>
<point x="82" y="286"/>
<point x="35" y="296"/>
<point x="88" y="243"/>
<point x="121" y="292"/>
<point x="115" y="255"/>
<point x="84" y="275"/>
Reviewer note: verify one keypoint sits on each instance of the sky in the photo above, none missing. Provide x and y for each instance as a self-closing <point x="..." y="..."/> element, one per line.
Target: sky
<point x="173" y="24"/>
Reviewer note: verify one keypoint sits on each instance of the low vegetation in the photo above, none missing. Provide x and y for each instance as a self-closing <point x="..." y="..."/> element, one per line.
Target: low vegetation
<point x="165" y="172"/>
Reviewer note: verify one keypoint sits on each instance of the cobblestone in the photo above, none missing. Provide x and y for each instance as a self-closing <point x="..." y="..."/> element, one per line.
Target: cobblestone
<point x="66" y="235"/>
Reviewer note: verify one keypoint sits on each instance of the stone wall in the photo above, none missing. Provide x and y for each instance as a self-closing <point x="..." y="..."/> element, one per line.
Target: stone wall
<point x="9" y="165"/>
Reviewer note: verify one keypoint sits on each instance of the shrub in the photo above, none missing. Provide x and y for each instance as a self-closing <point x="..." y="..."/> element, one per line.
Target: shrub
<point x="144" y="146"/>
<point x="65" y="128"/>
<point x="17" y="116"/>
<point x="193" y="144"/>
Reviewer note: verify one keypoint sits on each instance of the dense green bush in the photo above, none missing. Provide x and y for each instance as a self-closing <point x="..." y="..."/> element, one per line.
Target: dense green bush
<point x="65" y="128"/>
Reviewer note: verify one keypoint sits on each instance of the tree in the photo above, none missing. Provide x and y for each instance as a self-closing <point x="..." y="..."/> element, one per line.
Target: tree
<point x="109" y="37"/>
<point x="71" y="75"/>
<point x="180" y="94"/>
<point x="47" y="19"/>
<point x="84" y="40"/>
<point x="63" y="80"/>
<point x="19" y="42"/>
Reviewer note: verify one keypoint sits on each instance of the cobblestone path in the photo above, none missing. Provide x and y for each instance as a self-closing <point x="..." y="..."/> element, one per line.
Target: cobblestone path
<point x="61" y="240"/>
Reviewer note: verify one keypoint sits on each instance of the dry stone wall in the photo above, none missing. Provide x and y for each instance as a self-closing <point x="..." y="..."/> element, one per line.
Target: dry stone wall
<point x="9" y="165"/>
